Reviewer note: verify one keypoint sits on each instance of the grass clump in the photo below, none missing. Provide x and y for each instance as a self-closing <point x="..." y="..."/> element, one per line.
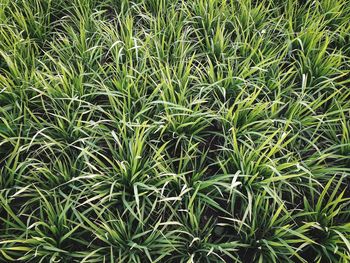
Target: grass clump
<point x="174" y="131"/>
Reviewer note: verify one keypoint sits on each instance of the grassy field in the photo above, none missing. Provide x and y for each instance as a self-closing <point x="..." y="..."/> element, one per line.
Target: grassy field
<point x="175" y="131"/>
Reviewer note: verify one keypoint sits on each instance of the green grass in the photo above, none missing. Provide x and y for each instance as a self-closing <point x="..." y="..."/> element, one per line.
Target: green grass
<point x="174" y="131"/>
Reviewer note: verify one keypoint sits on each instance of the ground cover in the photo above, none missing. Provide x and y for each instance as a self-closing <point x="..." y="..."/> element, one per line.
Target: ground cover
<point x="174" y="131"/>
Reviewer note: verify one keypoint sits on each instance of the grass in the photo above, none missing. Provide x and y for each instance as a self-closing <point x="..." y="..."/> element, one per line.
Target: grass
<point x="174" y="131"/>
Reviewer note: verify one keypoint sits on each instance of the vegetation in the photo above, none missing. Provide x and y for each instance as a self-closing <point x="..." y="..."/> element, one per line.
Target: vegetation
<point x="174" y="131"/>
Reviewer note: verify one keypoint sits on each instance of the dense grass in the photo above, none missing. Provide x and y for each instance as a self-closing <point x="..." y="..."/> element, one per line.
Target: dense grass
<point x="174" y="131"/>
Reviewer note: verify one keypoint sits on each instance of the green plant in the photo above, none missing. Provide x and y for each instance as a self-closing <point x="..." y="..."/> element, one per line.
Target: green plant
<point x="174" y="131"/>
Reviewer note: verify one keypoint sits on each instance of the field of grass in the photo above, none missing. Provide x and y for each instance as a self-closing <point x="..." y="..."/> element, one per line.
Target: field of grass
<point x="174" y="131"/>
